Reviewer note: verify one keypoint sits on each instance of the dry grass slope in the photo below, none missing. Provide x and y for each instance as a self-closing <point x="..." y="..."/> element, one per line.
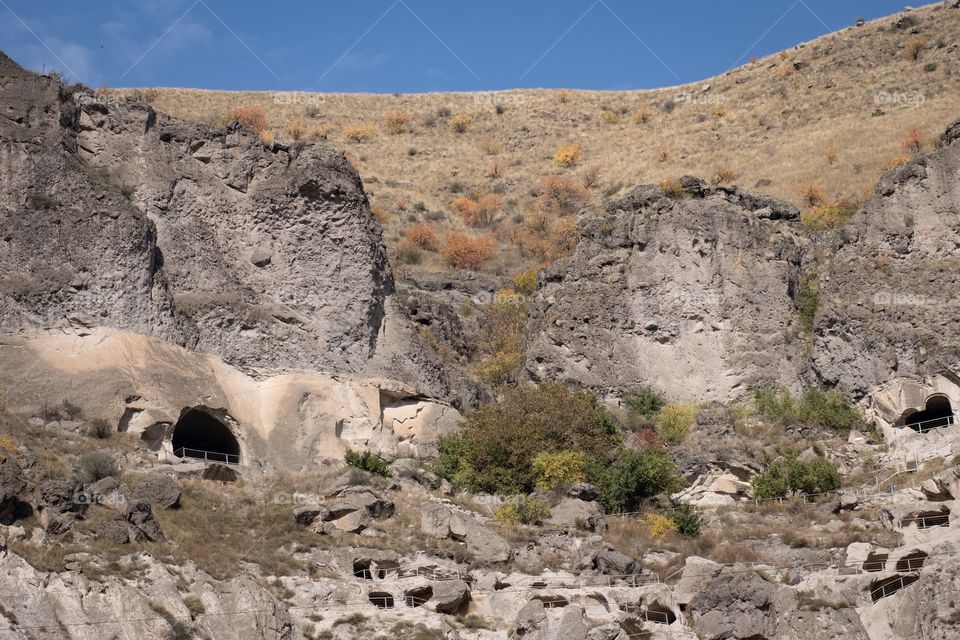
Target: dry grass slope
<point x="835" y="113"/>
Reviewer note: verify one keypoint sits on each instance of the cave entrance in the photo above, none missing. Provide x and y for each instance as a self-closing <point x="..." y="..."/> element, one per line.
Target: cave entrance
<point x="659" y="613"/>
<point x="381" y="599"/>
<point x="875" y="562"/>
<point x="201" y="435"/>
<point x="913" y="561"/>
<point x="937" y="413"/>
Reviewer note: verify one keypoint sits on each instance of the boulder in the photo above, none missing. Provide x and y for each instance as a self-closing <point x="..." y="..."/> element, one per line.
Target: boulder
<point x="572" y="512"/>
<point x="696" y="573"/>
<point x="138" y="524"/>
<point x="444" y="522"/>
<point x="612" y="562"/>
<point x="450" y="596"/>
<point x="157" y="489"/>
<point x="12" y="481"/>
<point x="529" y="619"/>
<point x="847" y="502"/>
<point x="584" y="491"/>
<point x="353" y="522"/>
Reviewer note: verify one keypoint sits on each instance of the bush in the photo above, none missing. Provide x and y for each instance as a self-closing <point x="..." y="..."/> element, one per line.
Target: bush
<point x="687" y="520"/>
<point x="96" y="466"/>
<point x="644" y="401"/>
<point x="609" y="117"/>
<point x="915" y="46"/>
<point x="560" y="196"/>
<point x="642" y="115"/>
<point x="788" y="474"/>
<point x="590" y="177"/>
<point x="460" y="123"/>
<point x="423" y="236"/>
<point x="297" y="130"/>
<point x="525" y="283"/>
<point x="396" y="122"/>
<point x="559" y="469"/>
<point x="478" y="210"/>
<point x="811" y="194"/>
<point x="465" y="252"/>
<point x="634" y="477"/>
<point x="657" y="525"/>
<point x="361" y="132"/>
<point x="100" y="429"/>
<point x="913" y="140"/>
<point x="501" y="338"/>
<point x="830" y="216"/>
<point x="808" y="301"/>
<point x="723" y="175"/>
<point x="674" y="422"/>
<point x="568" y="155"/>
<point x="817" y="406"/>
<point x="367" y="461"/>
<point x="672" y="189"/>
<point x="522" y="510"/>
<point x="497" y="443"/>
<point x="491" y="147"/>
<point x="253" y="119"/>
<point x="564" y="97"/>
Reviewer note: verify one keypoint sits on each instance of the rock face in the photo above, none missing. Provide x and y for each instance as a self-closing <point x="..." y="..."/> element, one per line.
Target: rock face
<point x="888" y="307"/>
<point x="699" y="291"/>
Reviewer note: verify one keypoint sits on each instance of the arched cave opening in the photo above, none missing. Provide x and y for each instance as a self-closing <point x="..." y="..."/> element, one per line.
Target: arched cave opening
<point x="381" y="599"/>
<point x="361" y="569"/>
<point x="936" y="414"/>
<point x="875" y="562"/>
<point x="199" y="434"/>
<point x="880" y="589"/>
<point x="660" y="613"/>
<point x="913" y="561"/>
<point x="418" y="596"/>
<point x="927" y="519"/>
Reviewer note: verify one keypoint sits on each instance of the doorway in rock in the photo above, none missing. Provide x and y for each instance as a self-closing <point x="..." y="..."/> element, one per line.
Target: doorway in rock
<point x="201" y="435"/>
<point x="937" y="413"/>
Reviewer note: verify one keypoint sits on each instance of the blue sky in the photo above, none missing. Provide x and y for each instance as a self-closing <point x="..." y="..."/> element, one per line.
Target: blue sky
<point x="406" y="46"/>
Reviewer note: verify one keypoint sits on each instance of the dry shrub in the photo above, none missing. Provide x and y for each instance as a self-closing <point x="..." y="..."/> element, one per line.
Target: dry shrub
<point x="353" y="160"/>
<point x="491" y="147"/>
<point x="672" y="188"/>
<point x="915" y="46"/>
<point x="897" y="161"/>
<point x="316" y="133"/>
<point x="565" y="97"/>
<point x="423" y="236"/>
<point x="832" y="155"/>
<point x="569" y="155"/>
<point x="589" y="177"/>
<point x="396" y="122"/>
<point x="460" y="123"/>
<point x="811" y="194"/>
<point x="830" y="216"/>
<point x="495" y="170"/>
<point x="253" y="119"/>
<point x="380" y="213"/>
<point x="609" y="117"/>
<point x="662" y="154"/>
<point x="785" y="70"/>
<point x="360" y="132"/>
<point x="913" y="140"/>
<point x="561" y="196"/>
<point x="723" y="175"/>
<point x="297" y="130"/>
<point x="719" y="112"/>
<point x="466" y="252"/>
<point x="478" y="210"/>
<point x="267" y="137"/>
<point x="642" y="115"/>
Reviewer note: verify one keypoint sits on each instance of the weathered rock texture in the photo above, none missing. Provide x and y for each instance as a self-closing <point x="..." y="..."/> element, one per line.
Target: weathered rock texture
<point x="264" y="255"/>
<point x="697" y="293"/>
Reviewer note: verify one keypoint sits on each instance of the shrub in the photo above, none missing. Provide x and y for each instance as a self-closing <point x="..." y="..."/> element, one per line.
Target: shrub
<point x="609" y="117"/>
<point x="492" y="147"/>
<point x="494" y="170"/>
<point x="96" y="466"/>
<point x="811" y="194"/>
<point x="367" y="461"/>
<point x="816" y="406"/>
<point x="719" y="112"/>
<point x="565" y="97"/>
<point x="674" y="422"/>
<point x="915" y="46"/>
<point x="522" y="510"/>
<point x="634" y="477"/>
<point x="672" y="189"/>
<point x="267" y="137"/>
<point x="525" y="282"/>
<point x="808" y="301"/>
<point x="647" y="439"/>
<point x="832" y="155"/>
<point x="789" y="474"/>
<point x="380" y="213"/>
<point x="568" y="155"/>
<point x="360" y="132"/>
<point x="498" y="441"/>
<point x="316" y="133"/>
<point x="561" y="196"/>
<point x="100" y="429"/>
<point x="465" y="252"/>
<point x="559" y="469"/>
<point x="589" y="177"/>
<point x="897" y="161"/>
<point x="662" y="154"/>
<point x="253" y="119"/>
<point x="830" y="216"/>
<point x="642" y="115"/>
<point x="644" y="401"/>
<point x="501" y="338"/>
<point x="396" y="122"/>
<point x="723" y="175"/>
<point x="913" y="140"/>
<point x="423" y="236"/>
<point x="409" y="253"/>
<point x="297" y="130"/>
<point x="687" y="520"/>
<point x="477" y="211"/>
<point x="657" y="525"/>
<point x="460" y="123"/>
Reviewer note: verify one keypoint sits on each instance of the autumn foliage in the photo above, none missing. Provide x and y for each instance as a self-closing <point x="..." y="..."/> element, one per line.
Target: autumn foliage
<point x="478" y="210"/>
<point x="253" y="119"/>
<point x="465" y="252"/>
<point x="423" y="236"/>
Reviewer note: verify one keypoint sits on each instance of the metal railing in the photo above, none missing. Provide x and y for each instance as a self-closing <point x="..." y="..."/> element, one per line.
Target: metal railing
<point x="935" y="423"/>
<point x="207" y="456"/>
<point x="927" y="522"/>
<point x="892" y="585"/>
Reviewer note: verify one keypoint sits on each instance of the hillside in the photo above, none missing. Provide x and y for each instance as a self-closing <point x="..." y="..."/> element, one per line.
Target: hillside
<point x="833" y="112"/>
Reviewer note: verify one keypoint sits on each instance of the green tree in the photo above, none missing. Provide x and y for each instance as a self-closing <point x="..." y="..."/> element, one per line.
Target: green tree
<point x="635" y="476"/>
